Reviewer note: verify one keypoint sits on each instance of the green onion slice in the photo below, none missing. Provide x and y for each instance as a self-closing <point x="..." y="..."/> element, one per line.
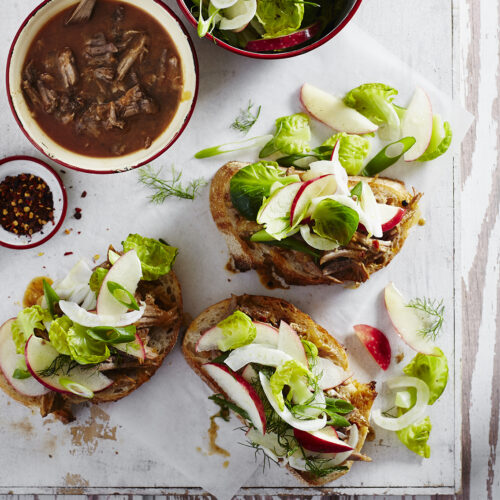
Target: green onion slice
<point x="51" y="296"/>
<point x="113" y="335"/>
<point x="388" y="156"/>
<point x="76" y="388"/>
<point x="121" y="294"/>
<point x="233" y="146"/>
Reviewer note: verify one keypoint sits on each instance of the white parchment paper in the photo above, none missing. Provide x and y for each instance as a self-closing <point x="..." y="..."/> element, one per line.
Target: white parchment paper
<point x="157" y="437"/>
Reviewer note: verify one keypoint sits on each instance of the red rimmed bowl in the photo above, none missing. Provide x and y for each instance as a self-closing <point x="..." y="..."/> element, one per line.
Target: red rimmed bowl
<point x="16" y="165"/>
<point x="15" y="62"/>
<point x="318" y="35"/>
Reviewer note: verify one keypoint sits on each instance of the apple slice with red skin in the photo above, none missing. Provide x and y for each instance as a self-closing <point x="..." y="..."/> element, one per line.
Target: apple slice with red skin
<point x="137" y="349"/>
<point x="284" y="42"/>
<point x="325" y="184"/>
<point x="390" y="216"/>
<point x="377" y="344"/>
<point x="239" y="391"/>
<point x="289" y="342"/>
<point x="9" y="361"/>
<point x="325" y="440"/>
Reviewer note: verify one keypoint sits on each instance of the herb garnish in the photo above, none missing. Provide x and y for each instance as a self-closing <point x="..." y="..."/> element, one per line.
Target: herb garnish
<point x="432" y="311"/>
<point x="226" y="405"/>
<point x="166" y="188"/>
<point x="61" y="364"/>
<point x="246" y="118"/>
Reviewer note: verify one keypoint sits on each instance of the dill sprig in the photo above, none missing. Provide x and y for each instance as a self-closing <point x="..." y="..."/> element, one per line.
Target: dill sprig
<point x="432" y="313"/>
<point x="61" y="365"/>
<point x="166" y="188"/>
<point x="246" y="118"/>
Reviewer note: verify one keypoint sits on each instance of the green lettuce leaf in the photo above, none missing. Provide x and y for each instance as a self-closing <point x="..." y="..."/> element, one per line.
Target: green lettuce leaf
<point x="26" y="322"/>
<point x="373" y="100"/>
<point x="335" y="221"/>
<point x="156" y="258"/>
<point x="433" y="370"/>
<point x="415" y="437"/>
<point x="440" y="139"/>
<point x="353" y="149"/>
<point x="294" y="375"/>
<point x="292" y="136"/>
<point x="251" y="184"/>
<point x="279" y="17"/>
<point x="97" y="278"/>
<point x="84" y="349"/>
<point x="238" y="330"/>
<point x="58" y="333"/>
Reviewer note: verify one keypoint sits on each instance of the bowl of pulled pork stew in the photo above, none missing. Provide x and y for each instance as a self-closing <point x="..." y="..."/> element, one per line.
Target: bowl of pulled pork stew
<point x="102" y="86"/>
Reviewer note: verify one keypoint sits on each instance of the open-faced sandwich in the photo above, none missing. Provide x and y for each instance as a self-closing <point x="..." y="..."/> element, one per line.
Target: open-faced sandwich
<point x="94" y="335"/>
<point x="288" y="379"/>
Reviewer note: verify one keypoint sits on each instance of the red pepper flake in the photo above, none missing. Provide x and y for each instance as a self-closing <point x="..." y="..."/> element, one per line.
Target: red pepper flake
<point x="68" y="253"/>
<point x="26" y="204"/>
<point x="84" y="194"/>
<point x="376" y="244"/>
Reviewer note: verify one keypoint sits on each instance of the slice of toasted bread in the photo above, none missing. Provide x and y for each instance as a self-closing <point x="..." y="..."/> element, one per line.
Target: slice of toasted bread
<point x="161" y="340"/>
<point x="352" y="263"/>
<point x="273" y="310"/>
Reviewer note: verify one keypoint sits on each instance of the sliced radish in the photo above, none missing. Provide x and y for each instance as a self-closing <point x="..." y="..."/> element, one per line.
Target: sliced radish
<point x="240" y="392"/>
<point x="412" y="415"/>
<point x="255" y="353"/>
<point x="284" y="42"/>
<point x="406" y="321"/>
<point x="304" y="425"/>
<point x="390" y="216"/>
<point x="10" y="360"/>
<point x="279" y="204"/>
<point x="332" y="111"/>
<point x="249" y="374"/>
<point x="134" y="348"/>
<point x="330" y="375"/>
<point x="326" y="184"/>
<point x="417" y="123"/>
<point x="127" y="272"/>
<point x="325" y="440"/>
<point x="82" y="381"/>
<point x="289" y="342"/>
<point x="238" y="15"/>
<point x="85" y="318"/>
<point x="377" y="344"/>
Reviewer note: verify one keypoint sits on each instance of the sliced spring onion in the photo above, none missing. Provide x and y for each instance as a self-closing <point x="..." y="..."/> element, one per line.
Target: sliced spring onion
<point x="388" y="156"/>
<point x="121" y="294"/>
<point x="20" y="374"/>
<point x="233" y="146"/>
<point x="51" y="297"/>
<point x="412" y="415"/>
<point x="75" y="388"/>
<point x="112" y="335"/>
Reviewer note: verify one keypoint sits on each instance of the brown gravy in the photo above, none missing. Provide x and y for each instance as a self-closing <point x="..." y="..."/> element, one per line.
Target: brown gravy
<point x="105" y="87"/>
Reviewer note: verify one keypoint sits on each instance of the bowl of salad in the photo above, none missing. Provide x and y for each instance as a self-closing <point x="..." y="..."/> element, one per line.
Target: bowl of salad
<point x="269" y="29"/>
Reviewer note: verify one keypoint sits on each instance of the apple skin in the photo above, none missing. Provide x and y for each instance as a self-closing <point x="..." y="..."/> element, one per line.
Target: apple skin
<point x="325" y="440"/>
<point x="289" y="342"/>
<point x="394" y="221"/>
<point x="376" y="343"/>
<point x="142" y="354"/>
<point x="221" y="374"/>
<point x="284" y="42"/>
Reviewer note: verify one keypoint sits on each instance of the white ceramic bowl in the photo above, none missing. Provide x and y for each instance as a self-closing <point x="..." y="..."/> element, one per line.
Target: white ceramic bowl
<point x="16" y="165"/>
<point x="22" y="41"/>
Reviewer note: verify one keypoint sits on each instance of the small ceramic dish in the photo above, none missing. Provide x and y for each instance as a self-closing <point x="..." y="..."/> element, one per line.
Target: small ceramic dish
<point x="16" y="165"/>
<point x="15" y="63"/>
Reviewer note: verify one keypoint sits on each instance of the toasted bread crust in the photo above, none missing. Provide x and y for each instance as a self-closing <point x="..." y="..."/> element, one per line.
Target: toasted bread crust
<point x="273" y="310"/>
<point x="161" y="339"/>
<point x="297" y="268"/>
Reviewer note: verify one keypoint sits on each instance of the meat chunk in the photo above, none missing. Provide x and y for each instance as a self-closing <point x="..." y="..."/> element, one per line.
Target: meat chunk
<point x="67" y="67"/>
<point x="134" y="102"/>
<point x="131" y="56"/>
<point x="82" y="12"/>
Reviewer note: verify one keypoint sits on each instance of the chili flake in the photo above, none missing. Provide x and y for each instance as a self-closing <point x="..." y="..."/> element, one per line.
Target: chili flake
<point x="26" y="204"/>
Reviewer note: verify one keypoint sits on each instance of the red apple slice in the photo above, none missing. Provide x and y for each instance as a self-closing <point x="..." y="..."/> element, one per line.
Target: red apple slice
<point x="325" y="440"/>
<point x="82" y="381"/>
<point x="284" y="42"/>
<point x="377" y="344"/>
<point x="406" y="321"/>
<point x="255" y="353"/>
<point x="10" y="360"/>
<point x="239" y="391"/>
<point x="249" y="374"/>
<point x="326" y="184"/>
<point x="417" y="123"/>
<point x="289" y="342"/>
<point x="135" y="348"/>
<point x="390" y="216"/>
<point x="332" y="111"/>
<point x="266" y="334"/>
<point x="332" y="375"/>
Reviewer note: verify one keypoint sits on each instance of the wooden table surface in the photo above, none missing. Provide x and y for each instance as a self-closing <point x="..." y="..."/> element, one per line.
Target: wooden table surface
<point x="455" y="44"/>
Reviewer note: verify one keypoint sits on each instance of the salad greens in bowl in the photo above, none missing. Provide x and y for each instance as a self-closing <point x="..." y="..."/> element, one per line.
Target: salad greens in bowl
<point x="269" y="29"/>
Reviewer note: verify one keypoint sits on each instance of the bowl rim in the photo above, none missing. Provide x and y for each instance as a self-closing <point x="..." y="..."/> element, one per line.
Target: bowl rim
<point x="278" y="55"/>
<point x="64" y="210"/>
<point x="100" y="172"/>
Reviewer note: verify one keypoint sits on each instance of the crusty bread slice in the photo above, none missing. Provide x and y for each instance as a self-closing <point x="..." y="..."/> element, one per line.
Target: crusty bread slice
<point x="126" y="380"/>
<point x="353" y="263"/>
<point x="273" y="310"/>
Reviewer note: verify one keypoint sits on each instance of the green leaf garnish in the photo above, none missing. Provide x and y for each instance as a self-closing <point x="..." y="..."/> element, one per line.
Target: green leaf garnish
<point x="21" y="374"/>
<point x="121" y="294"/>
<point x="167" y="188"/>
<point x="51" y="297"/>
<point x="113" y="335"/>
<point x="97" y="278"/>
<point x="246" y="118"/>
<point x="224" y="404"/>
<point x="335" y="221"/>
<point x="357" y="190"/>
